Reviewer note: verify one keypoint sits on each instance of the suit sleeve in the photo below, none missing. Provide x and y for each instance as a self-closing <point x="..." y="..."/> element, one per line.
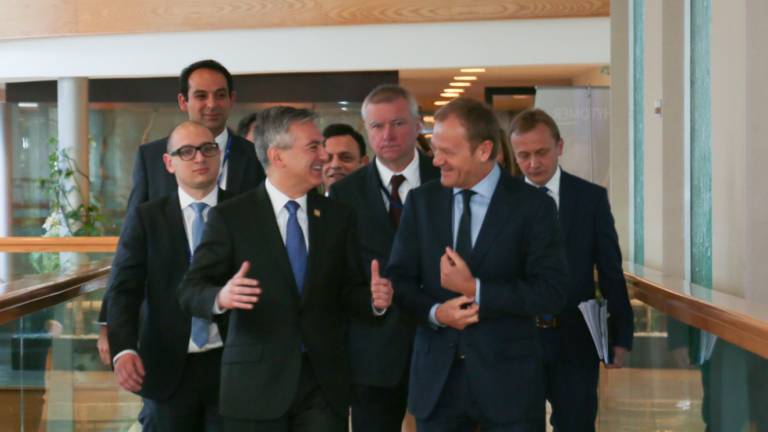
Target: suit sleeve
<point x="404" y="266"/>
<point x="210" y="269"/>
<point x="127" y="287"/>
<point x="612" y="284"/>
<point x="357" y="293"/>
<point x="139" y="194"/>
<point x="541" y="287"/>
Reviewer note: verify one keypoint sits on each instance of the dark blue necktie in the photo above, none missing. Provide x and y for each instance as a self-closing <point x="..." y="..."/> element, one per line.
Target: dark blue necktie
<point x="200" y="327"/>
<point x="295" y="245"/>
<point x="464" y="235"/>
<point x="546" y="317"/>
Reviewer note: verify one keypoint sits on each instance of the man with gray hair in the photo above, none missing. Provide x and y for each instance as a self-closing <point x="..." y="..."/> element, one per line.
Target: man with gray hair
<point x="282" y="261"/>
<point x="381" y="354"/>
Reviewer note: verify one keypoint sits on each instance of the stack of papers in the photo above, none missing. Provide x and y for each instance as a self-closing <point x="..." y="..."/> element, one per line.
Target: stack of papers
<point x="595" y="314"/>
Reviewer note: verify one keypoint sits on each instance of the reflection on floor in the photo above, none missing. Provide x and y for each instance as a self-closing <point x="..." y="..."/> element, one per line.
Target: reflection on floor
<point x="630" y="400"/>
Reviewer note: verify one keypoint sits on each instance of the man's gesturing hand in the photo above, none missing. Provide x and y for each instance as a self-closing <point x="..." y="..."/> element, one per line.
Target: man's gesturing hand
<point x="130" y="372"/>
<point x="381" y="288"/>
<point x="240" y="292"/>
<point x="455" y="275"/>
<point x="458" y="312"/>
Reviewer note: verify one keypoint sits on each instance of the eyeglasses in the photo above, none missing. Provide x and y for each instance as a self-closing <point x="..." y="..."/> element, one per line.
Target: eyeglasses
<point x="188" y="152"/>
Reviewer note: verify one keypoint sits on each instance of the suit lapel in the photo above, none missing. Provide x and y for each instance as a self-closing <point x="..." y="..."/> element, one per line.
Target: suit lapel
<point x="443" y="205"/>
<point x="567" y="206"/>
<point x="235" y="163"/>
<point x="273" y="242"/>
<point x="376" y="201"/>
<point x="179" y="245"/>
<point x="495" y="220"/>
<point x="317" y="231"/>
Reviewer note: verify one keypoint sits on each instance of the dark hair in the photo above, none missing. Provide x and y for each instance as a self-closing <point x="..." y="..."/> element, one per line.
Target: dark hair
<point x="528" y="119"/>
<point x="203" y="64"/>
<point x="478" y="119"/>
<point x="341" y="129"/>
<point x="245" y="123"/>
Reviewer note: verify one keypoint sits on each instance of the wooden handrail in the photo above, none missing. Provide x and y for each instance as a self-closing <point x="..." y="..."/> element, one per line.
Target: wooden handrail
<point x="58" y="244"/>
<point x="36" y="292"/>
<point x="734" y="319"/>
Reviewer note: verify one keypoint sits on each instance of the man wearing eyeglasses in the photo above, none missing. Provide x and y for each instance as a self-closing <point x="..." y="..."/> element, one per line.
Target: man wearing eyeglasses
<point x="207" y="95"/>
<point x="163" y="354"/>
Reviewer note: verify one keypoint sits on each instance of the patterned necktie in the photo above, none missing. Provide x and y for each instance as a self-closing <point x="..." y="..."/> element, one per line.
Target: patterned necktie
<point x="464" y="236"/>
<point x="395" y="203"/>
<point x="200" y="327"/>
<point x="295" y="245"/>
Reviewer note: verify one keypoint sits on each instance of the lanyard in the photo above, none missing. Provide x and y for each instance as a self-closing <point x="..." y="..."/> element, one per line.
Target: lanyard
<point x="227" y="150"/>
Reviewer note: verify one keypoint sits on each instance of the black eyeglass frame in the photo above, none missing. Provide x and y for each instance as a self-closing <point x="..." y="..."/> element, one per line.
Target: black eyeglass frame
<point x="203" y="148"/>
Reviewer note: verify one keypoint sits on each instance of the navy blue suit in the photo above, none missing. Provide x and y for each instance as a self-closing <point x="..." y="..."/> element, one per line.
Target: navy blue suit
<point x="519" y="260"/>
<point x="571" y="360"/>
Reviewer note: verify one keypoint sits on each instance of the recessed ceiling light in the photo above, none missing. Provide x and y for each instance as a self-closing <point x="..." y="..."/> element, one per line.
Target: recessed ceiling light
<point x="460" y="84"/>
<point x="441" y="103"/>
<point x="429" y="119"/>
<point x="450" y="95"/>
<point x="27" y="105"/>
<point x="520" y="96"/>
<point x="473" y="70"/>
<point x="453" y="90"/>
<point x="465" y="78"/>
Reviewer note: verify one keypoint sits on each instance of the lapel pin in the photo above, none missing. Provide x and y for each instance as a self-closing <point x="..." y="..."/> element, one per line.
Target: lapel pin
<point x="316" y="212"/>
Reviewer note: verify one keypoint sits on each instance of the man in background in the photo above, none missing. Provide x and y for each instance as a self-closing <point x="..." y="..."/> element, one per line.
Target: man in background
<point x="570" y="358"/>
<point x="346" y="152"/>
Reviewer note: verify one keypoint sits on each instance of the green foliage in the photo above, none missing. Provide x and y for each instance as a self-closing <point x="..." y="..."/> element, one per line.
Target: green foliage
<point x="65" y="219"/>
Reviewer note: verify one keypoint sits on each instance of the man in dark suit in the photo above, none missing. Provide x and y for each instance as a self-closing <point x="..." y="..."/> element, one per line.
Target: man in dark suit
<point x="571" y="360"/>
<point x="283" y="263"/>
<point x="170" y="358"/>
<point x="381" y="354"/>
<point x="476" y="257"/>
<point x="206" y="94"/>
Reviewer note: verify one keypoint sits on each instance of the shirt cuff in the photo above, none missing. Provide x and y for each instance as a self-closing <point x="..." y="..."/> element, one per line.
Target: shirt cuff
<point x="216" y="309"/>
<point x="477" y="291"/>
<point x="433" y="316"/>
<point x="378" y="312"/>
<point x="122" y="353"/>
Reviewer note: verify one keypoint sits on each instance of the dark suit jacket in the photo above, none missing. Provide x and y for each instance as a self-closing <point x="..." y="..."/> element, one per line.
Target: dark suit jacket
<point x="152" y="256"/>
<point x="379" y="353"/>
<point x="262" y="354"/>
<point x="519" y="260"/>
<point x="151" y="180"/>
<point x="591" y="242"/>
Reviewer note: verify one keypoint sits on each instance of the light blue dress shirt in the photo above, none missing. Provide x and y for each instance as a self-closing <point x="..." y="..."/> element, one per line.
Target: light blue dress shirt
<point x="478" y="205"/>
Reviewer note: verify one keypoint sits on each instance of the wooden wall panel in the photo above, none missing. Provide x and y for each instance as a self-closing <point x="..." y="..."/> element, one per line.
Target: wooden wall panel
<point x="27" y="19"/>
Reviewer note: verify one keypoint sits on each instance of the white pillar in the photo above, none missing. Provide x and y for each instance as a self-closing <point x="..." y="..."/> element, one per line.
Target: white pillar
<point x="73" y="131"/>
<point x="6" y="187"/>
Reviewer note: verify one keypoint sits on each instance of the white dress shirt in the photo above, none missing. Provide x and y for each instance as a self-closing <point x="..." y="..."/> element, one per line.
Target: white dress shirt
<point x="411" y="174"/>
<point x="553" y="186"/>
<point x="278" y="200"/>
<point x="221" y="140"/>
<point x="214" y="338"/>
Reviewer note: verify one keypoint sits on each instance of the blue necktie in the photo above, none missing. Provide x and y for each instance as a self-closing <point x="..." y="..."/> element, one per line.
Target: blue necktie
<point x="464" y="235"/>
<point x="546" y="317"/>
<point x="295" y="245"/>
<point x="200" y="327"/>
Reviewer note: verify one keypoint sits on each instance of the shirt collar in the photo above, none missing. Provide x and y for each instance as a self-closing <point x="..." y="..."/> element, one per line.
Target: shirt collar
<point x="411" y="172"/>
<point x="221" y="139"/>
<point x="487" y="185"/>
<point x="279" y="199"/>
<point x="553" y="184"/>
<point x="211" y="199"/>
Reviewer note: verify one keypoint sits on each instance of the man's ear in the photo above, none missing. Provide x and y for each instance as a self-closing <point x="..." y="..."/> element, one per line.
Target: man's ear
<point x="182" y="102"/>
<point x="483" y="151"/>
<point x="275" y="156"/>
<point x="168" y="162"/>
